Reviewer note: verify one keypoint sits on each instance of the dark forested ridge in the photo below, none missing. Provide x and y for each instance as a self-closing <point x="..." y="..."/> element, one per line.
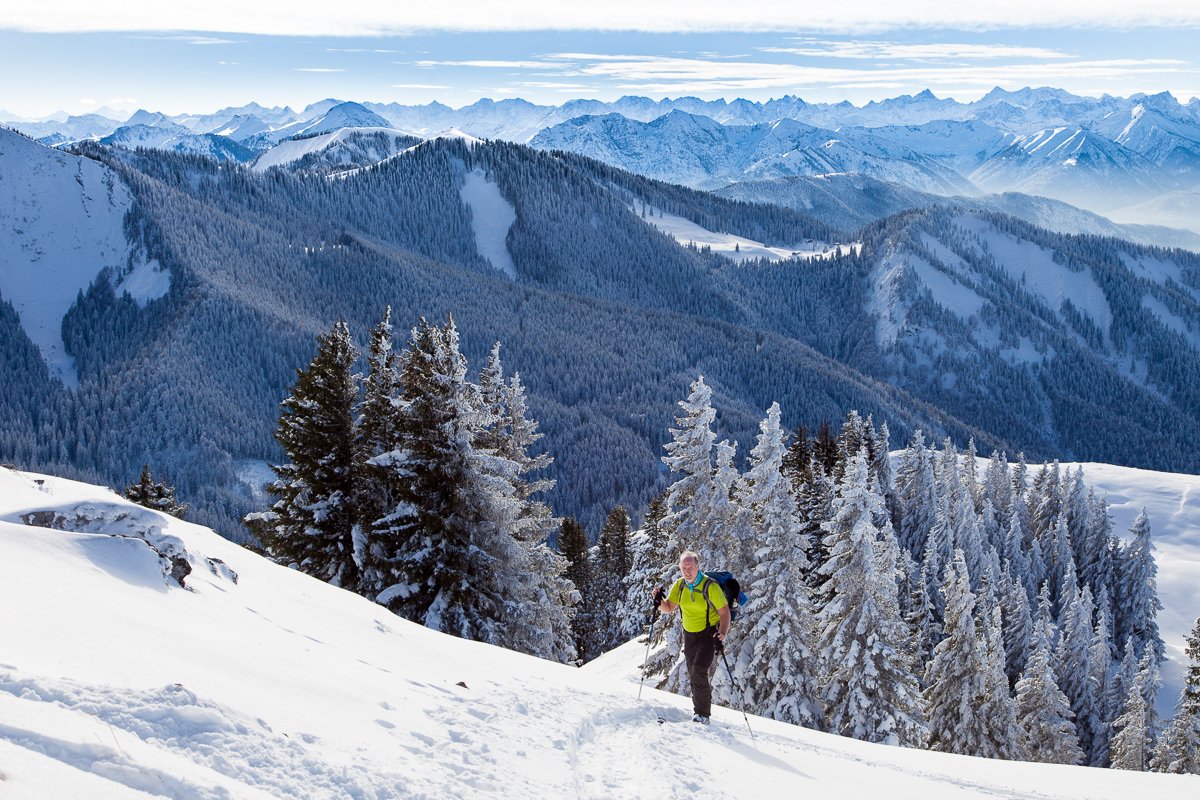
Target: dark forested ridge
<point x="607" y="323"/>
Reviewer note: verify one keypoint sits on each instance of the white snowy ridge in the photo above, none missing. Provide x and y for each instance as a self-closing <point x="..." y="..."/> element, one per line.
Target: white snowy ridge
<point x="250" y="680"/>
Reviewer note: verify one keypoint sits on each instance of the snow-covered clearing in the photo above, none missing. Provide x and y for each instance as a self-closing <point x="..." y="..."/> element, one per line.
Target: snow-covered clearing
<point x="946" y="291"/>
<point x="62" y="219"/>
<point x="257" y="681"/>
<point x="737" y="248"/>
<point x="491" y="217"/>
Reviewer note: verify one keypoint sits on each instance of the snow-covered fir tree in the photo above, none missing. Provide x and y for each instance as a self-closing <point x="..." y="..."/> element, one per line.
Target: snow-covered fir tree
<point x="311" y="524"/>
<point x="155" y="494"/>
<point x="1007" y="738"/>
<point x="775" y="664"/>
<point x="701" y="514"/>
<point x="958" y="688"/>
<point x="1018" y="628"/>
<point x="917" y="494"/>
<point x="1130" y="745"/>
<point x="1043" y="711"/>
<point x="376" y="433"/>
<point x="1178" y="747"/>
<point x="1100" y="663"/>
<point x="1074" y="663"/>
<point x="871" y="690"/>
<point x="1138" y="603"/>
<point x="461" y="549"/>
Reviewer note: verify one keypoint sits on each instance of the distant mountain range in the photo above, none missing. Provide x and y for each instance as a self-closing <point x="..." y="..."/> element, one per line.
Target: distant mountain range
<point x="1136" y="157"/>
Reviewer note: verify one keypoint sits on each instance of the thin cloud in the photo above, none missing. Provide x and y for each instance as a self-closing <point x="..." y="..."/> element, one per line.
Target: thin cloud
<point x="483" y="64"/>
<point x="913" y="52"/>
<point x="190" y="39"/>
<point x="309" y="18"/>
<point x="666" y="74"/>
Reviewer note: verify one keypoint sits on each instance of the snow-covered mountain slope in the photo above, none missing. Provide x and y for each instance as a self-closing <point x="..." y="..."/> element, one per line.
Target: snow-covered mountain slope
<point x="963" y="145"/>
<point x="845" y="200"/>
<point x="491" y="218"/>
<point x="257" y="681"/>
<point x="1061" y="217"/>
<point x="346" y="147"/>
<point x="1074" y="165"/>
<point x="699" y="151"/>
<point x="63" y="225"/>
<point x="1180" y="209"/>
<point x="971" y="306"/>
<point x="241" y="127"/>
<point x="850" y="200"/>
<point x="166" y="135"/>
<point x="1160" y="129"/>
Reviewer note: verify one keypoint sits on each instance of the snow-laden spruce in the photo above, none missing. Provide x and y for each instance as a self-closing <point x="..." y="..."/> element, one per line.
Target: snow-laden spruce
<point x="870" y="690"/>
<point x="776" y="666"/>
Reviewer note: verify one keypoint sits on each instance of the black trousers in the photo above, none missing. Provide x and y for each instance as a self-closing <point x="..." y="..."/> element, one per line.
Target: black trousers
<point x="699" y="650"/>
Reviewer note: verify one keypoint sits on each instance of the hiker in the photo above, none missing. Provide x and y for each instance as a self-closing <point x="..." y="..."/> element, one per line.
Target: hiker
<point x="699" y="599"/>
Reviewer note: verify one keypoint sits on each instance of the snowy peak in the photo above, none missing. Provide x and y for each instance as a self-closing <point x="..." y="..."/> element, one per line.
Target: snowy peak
<point x="1076" y="166"/>
<point x="241" y="127"/>
<point x="346" y="115"/>
<point x="143" y="117"/>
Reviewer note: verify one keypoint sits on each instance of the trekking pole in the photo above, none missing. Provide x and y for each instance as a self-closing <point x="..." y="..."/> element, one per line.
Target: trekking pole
<point x="649" y="639"/>
<point x="741" y="701"/>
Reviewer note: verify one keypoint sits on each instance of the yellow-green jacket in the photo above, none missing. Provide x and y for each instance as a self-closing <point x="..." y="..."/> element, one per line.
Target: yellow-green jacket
<point x="697" y="614"/>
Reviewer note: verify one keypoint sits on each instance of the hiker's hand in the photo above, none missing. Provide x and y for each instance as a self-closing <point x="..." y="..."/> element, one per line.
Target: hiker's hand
<point x="658" y="595"/>
<point x="720" y="637"/>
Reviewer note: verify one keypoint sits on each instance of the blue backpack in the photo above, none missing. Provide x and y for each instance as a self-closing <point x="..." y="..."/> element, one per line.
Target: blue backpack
<point x="734" y="596"/>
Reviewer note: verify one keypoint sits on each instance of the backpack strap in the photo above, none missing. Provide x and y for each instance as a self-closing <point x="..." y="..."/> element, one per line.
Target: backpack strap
<point x="704" y="584"/>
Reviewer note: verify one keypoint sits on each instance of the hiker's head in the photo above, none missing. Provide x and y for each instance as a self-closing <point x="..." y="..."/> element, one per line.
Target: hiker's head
<point x="689" y="565"/>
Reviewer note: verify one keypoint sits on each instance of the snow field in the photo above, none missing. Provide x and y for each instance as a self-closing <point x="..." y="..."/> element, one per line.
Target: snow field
<point x="116" y="682"/>
<point x="737" y="248"/>
<point x="491" y="217"/>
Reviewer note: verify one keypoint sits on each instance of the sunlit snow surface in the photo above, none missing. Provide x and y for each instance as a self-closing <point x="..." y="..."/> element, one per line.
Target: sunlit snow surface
<point x="117" y="683"/>
<point x="736" y="247"/>
<point x="491" y="217"/>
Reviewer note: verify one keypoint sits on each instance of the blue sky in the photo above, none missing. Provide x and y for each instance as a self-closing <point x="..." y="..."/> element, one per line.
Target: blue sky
<point x="76" y="57"/>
